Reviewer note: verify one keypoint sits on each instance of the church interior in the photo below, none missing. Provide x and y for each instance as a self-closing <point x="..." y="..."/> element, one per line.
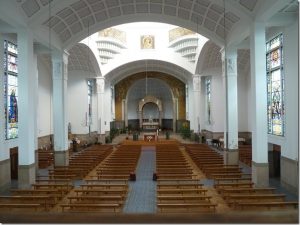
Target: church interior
<point x="149" y="111"/>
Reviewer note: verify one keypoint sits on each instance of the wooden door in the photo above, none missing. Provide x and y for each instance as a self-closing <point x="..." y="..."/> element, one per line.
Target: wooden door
<point x="14" y="163"/>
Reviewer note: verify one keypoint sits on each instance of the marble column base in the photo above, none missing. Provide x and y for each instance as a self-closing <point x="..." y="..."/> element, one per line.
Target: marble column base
<point x="26" y="176"/>
<point x="5" y="178"/>
<point x="61" y="158"/>
<point x="260" y="174"/>
<point x="231" y="157"/>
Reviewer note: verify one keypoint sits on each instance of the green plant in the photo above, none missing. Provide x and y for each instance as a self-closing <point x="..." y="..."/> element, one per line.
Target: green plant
<point x="185" y="132"/>
<point x="113" y="132"/>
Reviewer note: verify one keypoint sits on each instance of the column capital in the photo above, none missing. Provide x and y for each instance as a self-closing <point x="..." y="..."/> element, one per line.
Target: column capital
<point x="100" y="82"/>
<point x="228" y="52"/>
<point x="196" y="82"/>
<point x="60" y="56"/>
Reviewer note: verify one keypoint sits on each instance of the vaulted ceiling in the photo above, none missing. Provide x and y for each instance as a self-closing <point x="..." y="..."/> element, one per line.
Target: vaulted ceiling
<point x="72" y="20"/>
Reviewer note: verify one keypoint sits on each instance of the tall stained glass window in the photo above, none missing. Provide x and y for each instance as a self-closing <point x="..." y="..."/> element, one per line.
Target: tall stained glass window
<point x="275" y="86"/>
<point x="208" y="98"/>
<point x="11" y="89"/>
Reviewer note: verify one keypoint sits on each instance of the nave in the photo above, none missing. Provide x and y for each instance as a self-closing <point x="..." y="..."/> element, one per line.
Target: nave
<point x="165" y="181"/>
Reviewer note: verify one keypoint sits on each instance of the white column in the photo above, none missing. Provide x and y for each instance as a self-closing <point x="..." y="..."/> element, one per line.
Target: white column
<point x="174" y="114"/>
<point x="112" y="103"/>
<point x="191" y="114"/>
<point x="4" y="153"/>
<point x="60" y="121"/>
<point x="197" y="96"/>
<point x="260" y="168"/>
<point x="187" y="110"/>
<point x="229" y="73"/>
<point x="26" y="108"/>
<point x="100" y="82"/>
<point x="35" y="115"/>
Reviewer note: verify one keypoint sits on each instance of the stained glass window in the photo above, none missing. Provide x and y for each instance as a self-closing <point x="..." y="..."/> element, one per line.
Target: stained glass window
<point x="11" y="90"/>
<point x="208" y="98"/>
<point x="275" y="86"/>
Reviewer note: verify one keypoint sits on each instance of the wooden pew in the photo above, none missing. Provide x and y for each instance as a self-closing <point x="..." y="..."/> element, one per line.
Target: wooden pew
<point x="173" y="191"/>
<point x="96" y="199"/>
<point x="182" y="198"/>
<point x="44" y="201"/>
<point x="267" y="205"/>
<point x="227" y="191"/>
<point x="23" y="206"/>
<point x="186" y="207"/>
<point x="88" y="207"/>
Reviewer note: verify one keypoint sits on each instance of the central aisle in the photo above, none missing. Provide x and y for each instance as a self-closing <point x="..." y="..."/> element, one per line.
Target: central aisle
<point x="142" y="192"/>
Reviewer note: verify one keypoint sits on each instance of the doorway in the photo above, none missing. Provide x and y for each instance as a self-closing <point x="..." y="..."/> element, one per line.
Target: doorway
<point x="274" y="161"/>
<point x="14" y="163"/>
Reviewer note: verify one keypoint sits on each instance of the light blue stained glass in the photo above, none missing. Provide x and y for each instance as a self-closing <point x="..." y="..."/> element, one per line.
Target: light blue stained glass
<point x="275" y="86"/>
<point x="11" y="90"/>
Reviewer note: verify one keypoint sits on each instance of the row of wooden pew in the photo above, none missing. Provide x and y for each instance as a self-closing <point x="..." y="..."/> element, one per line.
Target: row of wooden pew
<point x="48" y="191"/>
<point x="236" y="187"/>
<point x="245" y="154"/>
<point x="106" y="190"/>
<point x="45" y="158"/>
<point x="98" y="196"/>
<point x="81" y="163"/>
<point x="177" y="191"/>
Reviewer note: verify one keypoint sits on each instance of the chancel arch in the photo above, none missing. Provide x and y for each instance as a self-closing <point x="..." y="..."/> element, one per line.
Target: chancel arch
<point x="166" y="88"/>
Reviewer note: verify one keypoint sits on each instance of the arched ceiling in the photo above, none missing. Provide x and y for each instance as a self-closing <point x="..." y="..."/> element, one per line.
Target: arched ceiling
<point x="210" y="57"/>
<point x="70" y="19"/>
<point x="82" y="58"/>
<point x="147" y="65"/>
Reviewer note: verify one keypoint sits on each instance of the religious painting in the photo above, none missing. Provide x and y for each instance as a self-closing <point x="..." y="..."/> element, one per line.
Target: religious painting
<point x="147" y="42"/>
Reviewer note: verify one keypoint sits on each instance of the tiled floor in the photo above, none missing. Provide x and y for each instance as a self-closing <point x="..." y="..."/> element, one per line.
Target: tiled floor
<point x="142" y="192"/>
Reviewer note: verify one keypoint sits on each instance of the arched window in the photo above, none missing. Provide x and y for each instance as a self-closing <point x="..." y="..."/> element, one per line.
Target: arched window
<point x="275" y="86"/>
<point x="11" y="89"/>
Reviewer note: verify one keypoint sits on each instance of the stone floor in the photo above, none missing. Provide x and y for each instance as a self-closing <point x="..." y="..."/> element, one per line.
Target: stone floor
<point x="142" y="192"/>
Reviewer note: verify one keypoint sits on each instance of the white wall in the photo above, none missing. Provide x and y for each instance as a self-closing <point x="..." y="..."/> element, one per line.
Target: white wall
<point x="291" y="91"/>
<point x="44" y="105"/>
<point x="243" y="83"/>
<point x="289" y="143"/>
<point x="217" y="101"/>
<point x="77" y="104"/>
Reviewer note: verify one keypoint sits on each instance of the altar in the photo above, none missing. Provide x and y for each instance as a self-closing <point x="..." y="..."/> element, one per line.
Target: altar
<point x="150" y="124"/>
<point x="150" y="136"/>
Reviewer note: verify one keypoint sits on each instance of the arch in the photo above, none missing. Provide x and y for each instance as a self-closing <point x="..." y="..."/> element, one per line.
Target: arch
<point x="203" y="17"/>
<point x="82" y="58"/>
<point x="138" y="66"/>
<point x="148" y="99"/>
<point x="209" y="57"/>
